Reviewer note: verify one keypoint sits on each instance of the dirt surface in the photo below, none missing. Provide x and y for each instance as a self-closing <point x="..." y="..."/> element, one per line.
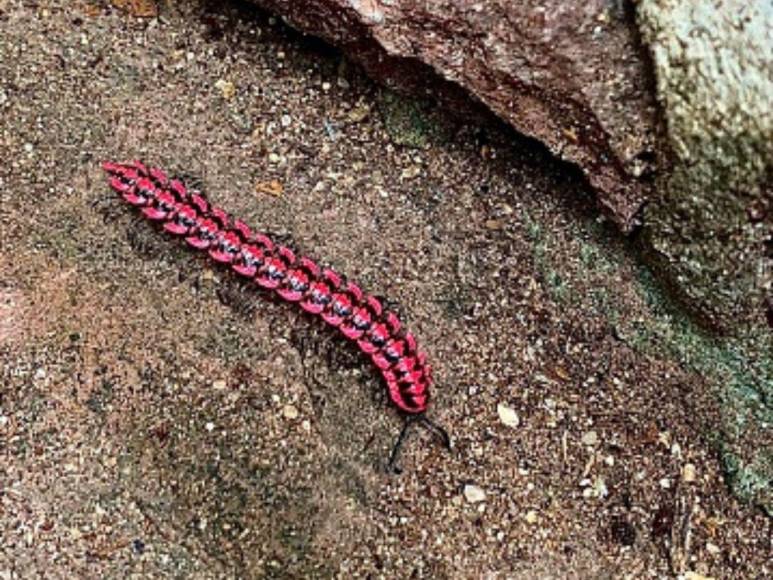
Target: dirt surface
<point x="159" y="419"/>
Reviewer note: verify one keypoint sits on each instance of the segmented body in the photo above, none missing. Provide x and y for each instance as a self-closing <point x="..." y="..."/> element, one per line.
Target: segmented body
<point x="319" y="291"/>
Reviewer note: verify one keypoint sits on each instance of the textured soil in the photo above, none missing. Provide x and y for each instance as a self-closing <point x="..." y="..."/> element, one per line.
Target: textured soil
<point x="159" y="419"/>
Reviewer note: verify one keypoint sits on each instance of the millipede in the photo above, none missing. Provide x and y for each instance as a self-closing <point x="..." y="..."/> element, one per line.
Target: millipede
<point x="186" y="213"/>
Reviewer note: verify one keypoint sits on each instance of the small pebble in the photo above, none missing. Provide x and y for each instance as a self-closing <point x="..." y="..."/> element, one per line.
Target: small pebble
<point x="326" y="86"/>
<point x="219" y="385"/>
<point x="590" y="438"/>
<point x="665" y="483"/>
<point x="226" y="88"/>
<point x="286" y="120"/>
<point x="508" y="416"/>
<point x="410" y="172"/>
<point x="689" y="473"/>
<point x="290" y="412"/>
<point x="209" y="427"/>
<point x="696" y="576"/>
<point x="712" y="549"/>
<point x="531" y="517"/>
<point x="474" y="494"/>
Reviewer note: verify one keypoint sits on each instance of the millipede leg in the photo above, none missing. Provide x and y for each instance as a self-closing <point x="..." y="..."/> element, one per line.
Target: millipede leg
<point x="399" y="443"/>
<point x="441" y="433"/>
<point x="437" y="430"/>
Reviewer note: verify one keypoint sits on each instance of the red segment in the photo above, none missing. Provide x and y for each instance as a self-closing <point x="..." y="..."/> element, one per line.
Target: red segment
<point x="357" y="324"/>
<point x="317" y="297"/>
<point x="159" y="176"/>
<point x="227" y="248"/>
<point x="175" y="228"/>
<point x="393" y="322"/>
<point x="140" y="167"/>
<point x="355" y="291"/>
<point x="375" y="305"/>
<point x="248" y="262"/>
<point x="374" y="339"/>
<point x="204" y="236"/>
<point x="120" y="185"/>
<point x="338" y="309"/>
<point x="310" y="266"/>
<point x="220" y="217"/>
<point x="244" y="231"/>
<point x="183" y="221"/>
<point x="164" y="205"/>
<point x="264" y="241"/>
<point x="272" y="273"/>
<point x="332" y="277"/>
<point x="200" y="203"/>
<point x="176" y="187"/>
<point x="295" y="285"/>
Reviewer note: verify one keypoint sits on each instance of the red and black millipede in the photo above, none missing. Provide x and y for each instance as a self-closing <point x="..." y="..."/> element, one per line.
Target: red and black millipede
<point x="321" y="292"/>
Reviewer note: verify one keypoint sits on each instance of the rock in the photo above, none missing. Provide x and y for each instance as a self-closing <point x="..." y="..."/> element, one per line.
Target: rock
<point x="712" y="63"/>
<point x="696" y="576"/>
<point x="590" y="438"/>
<point x="508" y="416"/>
<point x="219" y="385"/>
<point x="569" y="74"/>
<point x="290" y="412"/>
<point x="688" y="473"/>
<point x="531" y="517"/>
<point x="474" y="494"/>
<point x="226" y="88"/>
<point x="708" y="227"/>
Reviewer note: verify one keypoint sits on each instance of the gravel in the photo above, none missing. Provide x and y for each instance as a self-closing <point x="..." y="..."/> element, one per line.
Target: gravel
<point x="120" y="458"/>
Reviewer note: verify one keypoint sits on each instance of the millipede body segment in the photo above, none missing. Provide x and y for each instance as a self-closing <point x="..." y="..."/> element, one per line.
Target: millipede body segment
<point x="322" y="292"/>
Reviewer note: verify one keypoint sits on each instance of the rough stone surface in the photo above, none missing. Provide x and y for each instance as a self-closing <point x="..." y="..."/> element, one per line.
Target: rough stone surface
<point x="570" y="74"/>
<point x="712" y="227"/>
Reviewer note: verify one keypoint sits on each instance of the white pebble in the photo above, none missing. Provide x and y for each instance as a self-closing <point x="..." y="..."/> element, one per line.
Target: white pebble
<point x="474" y="494"/>
<point x="209" y="427"/>
<point x="290" y="412"/>
<point x="508" y="416"/>
<point x="590" y="438"/>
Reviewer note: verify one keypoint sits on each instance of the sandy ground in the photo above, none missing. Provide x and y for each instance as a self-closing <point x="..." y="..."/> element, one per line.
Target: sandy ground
<point x="159" y="419"/>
